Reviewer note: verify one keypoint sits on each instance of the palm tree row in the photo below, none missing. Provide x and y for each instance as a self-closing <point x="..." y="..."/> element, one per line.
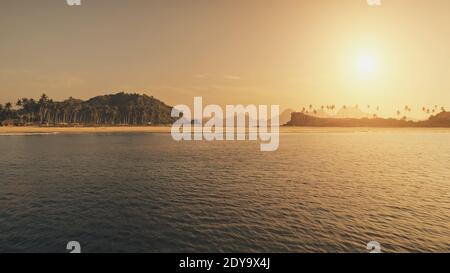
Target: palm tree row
<point x="400" y="113"/>
<point x="118" y="109"/>
<point x="432" y="110"/>
<point x="330" y="109"/>
<point x="315" y="111"/>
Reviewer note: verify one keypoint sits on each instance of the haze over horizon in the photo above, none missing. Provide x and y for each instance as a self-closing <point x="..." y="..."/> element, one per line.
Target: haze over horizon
<point x="286" y="52"/>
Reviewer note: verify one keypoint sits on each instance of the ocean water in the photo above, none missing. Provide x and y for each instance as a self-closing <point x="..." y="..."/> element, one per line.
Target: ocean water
<point x="322" y="191"/>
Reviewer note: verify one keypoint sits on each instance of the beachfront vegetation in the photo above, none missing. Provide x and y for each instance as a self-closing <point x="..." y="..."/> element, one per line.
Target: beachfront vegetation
<point x="117" y="109"/>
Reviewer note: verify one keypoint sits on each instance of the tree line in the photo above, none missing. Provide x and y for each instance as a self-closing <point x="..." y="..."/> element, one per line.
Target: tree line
<point x="373" y="111"/>
<point x="116" y="109"/>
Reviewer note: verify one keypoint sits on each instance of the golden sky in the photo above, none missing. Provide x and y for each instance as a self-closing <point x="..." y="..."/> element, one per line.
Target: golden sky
<point x="292" y="53"/>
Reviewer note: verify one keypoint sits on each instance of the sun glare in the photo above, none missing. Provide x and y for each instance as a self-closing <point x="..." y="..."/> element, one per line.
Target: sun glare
<point x="366" y="64"/>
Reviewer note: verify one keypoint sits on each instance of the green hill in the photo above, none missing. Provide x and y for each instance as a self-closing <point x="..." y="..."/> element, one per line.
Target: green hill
<point x="116" y="109"/>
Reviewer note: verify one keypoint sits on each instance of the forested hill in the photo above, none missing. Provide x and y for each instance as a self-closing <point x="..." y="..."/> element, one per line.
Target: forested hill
<point x="117" y="109"/>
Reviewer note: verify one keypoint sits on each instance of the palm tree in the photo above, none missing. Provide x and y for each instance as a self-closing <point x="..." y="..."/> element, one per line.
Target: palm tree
<point x="43" y="108"/>
<point x="8" y="106"/>
<point x="7" y="111"/>
<point x="21" y="111"/>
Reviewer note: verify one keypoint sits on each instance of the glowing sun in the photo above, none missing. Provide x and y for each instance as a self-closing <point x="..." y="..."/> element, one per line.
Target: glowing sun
<point x="366" y="64"/>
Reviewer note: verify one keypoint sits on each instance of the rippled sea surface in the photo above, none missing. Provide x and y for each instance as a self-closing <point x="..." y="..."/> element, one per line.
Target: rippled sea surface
<point x="322" y="191"/>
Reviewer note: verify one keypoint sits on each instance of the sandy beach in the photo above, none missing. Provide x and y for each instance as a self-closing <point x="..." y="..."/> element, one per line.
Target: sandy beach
<point x="76" y="130"/>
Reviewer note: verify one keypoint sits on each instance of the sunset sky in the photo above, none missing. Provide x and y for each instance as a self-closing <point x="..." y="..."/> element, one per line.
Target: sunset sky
<point x="292" y="53"/>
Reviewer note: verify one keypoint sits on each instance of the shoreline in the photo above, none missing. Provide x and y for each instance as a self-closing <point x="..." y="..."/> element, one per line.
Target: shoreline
<point x="80" y="130"/>
<point x="167" y="129"/>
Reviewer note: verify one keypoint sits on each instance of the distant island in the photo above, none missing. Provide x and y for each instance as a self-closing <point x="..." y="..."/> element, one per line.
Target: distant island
<point x="119" y="109"/>
<point x="305" y="120"/>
